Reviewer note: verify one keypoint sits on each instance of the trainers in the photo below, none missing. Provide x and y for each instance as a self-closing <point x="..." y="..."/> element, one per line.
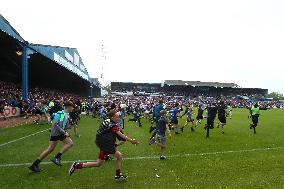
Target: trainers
<point x="121" y="177"/>
<point x="177" y="133"/>
<point x="56" y="161"/>
<point x="152" y="141"/>
<point x="34" y="168"/>
<point x="191" y="128"/>
<point x="108" y="158"/>
<point x="72" y="168"/>
<point x="162" y="157"/>
<point x="182" y="129"/>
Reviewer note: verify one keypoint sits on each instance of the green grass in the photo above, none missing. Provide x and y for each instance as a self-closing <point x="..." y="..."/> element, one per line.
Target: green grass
<point x="238" y="169"/>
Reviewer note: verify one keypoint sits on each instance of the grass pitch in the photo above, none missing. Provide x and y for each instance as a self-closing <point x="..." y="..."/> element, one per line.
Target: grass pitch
<point x="237" y="159"/>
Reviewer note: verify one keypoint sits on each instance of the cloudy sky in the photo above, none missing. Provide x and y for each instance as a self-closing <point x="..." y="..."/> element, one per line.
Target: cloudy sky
<point x="240" y="41"/>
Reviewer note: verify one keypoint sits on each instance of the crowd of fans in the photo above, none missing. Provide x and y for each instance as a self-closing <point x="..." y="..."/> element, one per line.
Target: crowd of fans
<point x="39" y="99"/>
<point x="42" y="100"/>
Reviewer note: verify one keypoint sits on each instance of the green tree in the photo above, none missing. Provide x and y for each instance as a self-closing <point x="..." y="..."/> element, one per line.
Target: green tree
<point x="276" y="96"/>
<point x="107" y="88"/>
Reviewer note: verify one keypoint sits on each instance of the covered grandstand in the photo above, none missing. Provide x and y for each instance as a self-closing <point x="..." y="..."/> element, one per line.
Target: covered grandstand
<point x="130" y="86"/>
<point x="44" y="66"/>
<point x="189" y="88"/>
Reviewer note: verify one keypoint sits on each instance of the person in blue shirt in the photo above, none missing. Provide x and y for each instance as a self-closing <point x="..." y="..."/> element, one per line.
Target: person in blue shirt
<point x="31" y="108"/>
<point x="157" y="111"/>
<point x="121" y="117"/>
<point x="162" y="127"/>
<point x="156" y="116"/>
<point x="60" y="123"/>
<point x="174" y="117"/>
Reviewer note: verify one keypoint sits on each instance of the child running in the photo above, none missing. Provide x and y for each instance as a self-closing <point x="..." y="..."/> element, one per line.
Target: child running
<point x="189" y="119"/>
<point x="60" y="124"/>
<point x="161" y="134"/>
<point x="105" y="140"/>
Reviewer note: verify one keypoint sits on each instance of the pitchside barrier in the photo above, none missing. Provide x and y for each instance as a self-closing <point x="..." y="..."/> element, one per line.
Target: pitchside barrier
<point x="10" y="112"/>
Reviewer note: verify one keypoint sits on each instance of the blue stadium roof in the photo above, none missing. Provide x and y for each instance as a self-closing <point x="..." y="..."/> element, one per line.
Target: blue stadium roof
<point x="68" y="58"/>
<point x="7" y="28"/>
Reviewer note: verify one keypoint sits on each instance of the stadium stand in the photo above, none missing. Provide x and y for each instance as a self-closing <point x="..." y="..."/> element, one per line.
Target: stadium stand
<point x="32" y="75"/>
<point x="190" y="88"/>
<point x="35" y="65"/>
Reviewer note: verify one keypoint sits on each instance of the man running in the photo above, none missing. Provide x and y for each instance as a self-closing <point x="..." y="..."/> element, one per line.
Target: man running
<point x="199" y="116"/>
<point x="74" y="118"/>
<point x="255" y="112"/>
<point x="222" y="115"/>
<point x="156" y="116"/>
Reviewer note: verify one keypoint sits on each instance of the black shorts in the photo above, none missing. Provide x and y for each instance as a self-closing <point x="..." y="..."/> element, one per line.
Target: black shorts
<point x="73" y="121"/>
<point x="222" y="119"/>
<point x="59" y="137"/>
<point x="174" y="121"/>
<point x="38" y="112"/>
<point x="199" y="117"/>
<point x="255" y="119"/>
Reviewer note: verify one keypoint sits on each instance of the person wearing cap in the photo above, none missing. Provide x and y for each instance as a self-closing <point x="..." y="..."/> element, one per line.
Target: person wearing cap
<point x="60" y="123"/>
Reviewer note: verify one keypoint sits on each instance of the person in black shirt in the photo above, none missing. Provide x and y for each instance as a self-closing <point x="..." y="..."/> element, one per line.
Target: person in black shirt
<point x="74" y="118"/>
<point x="211" y="115"/>
<point x="137" y="115"/>
<point x="199" y="116"/>
<point x="222" y="115"/>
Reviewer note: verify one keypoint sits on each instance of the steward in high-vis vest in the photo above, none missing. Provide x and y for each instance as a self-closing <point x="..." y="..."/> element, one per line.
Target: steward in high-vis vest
<point x="58" y="133"/>
<point x="255" y="112"/>
<point x="84" y="107"/>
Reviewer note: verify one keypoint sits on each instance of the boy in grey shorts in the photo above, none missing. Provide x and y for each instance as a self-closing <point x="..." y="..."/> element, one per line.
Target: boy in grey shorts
<point x="162" y="126"/>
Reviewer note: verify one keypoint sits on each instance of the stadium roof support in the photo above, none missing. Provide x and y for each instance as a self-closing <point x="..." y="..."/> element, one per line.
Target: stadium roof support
<point x="8" y="29"/>
<point x="25" y="68"/>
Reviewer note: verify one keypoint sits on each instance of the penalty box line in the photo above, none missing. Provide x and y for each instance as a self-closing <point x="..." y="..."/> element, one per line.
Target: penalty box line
<point x="156" y="157"/>
<point x="22" y="138"/>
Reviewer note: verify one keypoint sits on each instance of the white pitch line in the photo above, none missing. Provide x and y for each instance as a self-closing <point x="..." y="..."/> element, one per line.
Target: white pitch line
<point x="156" y="157"/>
<point x="22" y="138"/>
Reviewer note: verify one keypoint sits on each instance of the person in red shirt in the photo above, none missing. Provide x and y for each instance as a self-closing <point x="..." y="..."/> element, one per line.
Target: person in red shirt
<point x="105" y="140"/>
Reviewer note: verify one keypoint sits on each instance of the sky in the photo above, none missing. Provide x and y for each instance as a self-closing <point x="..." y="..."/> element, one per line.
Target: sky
<point x="236" y="41"/>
